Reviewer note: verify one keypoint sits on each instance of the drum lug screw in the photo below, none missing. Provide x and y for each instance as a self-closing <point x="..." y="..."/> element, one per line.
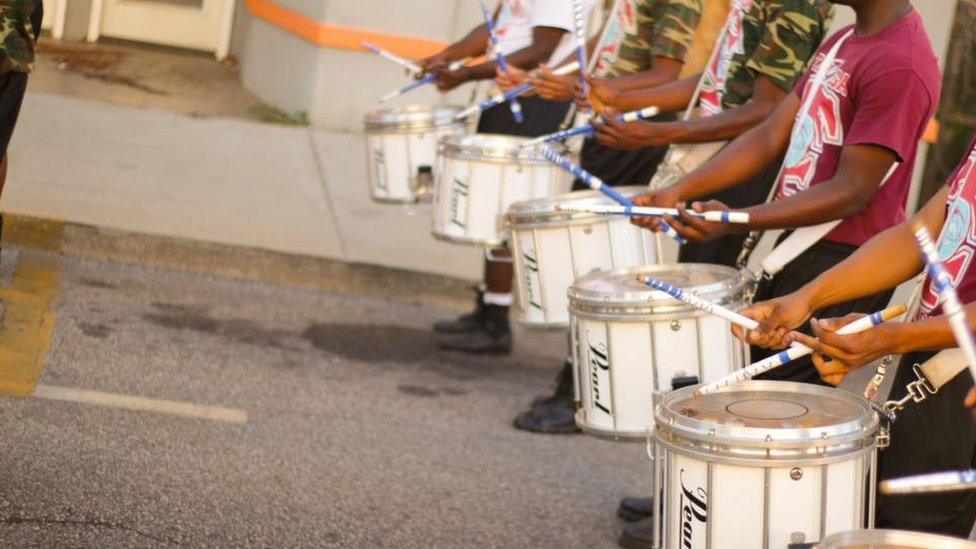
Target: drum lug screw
<point x="675" y="325"/>
<point x="796" y="474"/>
<point x="587" y="230"/>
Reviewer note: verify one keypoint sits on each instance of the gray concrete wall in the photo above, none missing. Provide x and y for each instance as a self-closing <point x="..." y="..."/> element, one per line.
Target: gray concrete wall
<point x="336" y="87"/>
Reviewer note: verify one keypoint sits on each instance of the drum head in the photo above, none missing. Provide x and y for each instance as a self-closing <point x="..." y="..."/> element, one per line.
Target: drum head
<point x="891" y="539"/>
<point x="544" y="209"/>
<point x="769" y="414"/>
<point x="603" y="291"/>
<point x="412" y="118"/>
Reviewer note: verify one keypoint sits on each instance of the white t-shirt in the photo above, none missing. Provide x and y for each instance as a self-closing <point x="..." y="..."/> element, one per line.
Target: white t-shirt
<point x="517" y="18"/>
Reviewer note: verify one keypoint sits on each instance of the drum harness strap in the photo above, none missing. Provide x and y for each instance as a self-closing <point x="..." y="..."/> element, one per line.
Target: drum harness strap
<point x="930" y="376"/>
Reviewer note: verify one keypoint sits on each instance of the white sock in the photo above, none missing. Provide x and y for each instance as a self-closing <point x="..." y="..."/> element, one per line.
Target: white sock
<point x="502" y="300"/>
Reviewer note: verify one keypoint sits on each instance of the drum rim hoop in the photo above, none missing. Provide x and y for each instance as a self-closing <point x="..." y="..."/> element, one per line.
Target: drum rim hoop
<point x="863" y="426"/>
<point x="883" y="535"/>
<point x="450" y="147"/>
<point x="383" y="119"/>
<point x="536" y="218"/>
<point x="720" y="291"/>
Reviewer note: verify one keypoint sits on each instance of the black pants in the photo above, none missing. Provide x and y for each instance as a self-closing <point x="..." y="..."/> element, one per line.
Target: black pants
<point x="809" y="265"/>
<point x="12" y="88"/>
<point x="540" y="117"/>
<point x="616" y="167"/>
<point x="725" y="250"/>
<point x="938" y="434"/>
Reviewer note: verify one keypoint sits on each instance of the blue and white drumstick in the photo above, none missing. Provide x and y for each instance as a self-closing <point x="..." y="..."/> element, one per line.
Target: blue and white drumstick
<point x="405" y="63"/>
<point x="513" y="102"/>
<point x="948" y="481"/>
<point x="651" y="211"/>
<point x="588" y="129"/>
<point x="699" y="303"/>
<point x="514" y="92"/>
<point x="798" y="350"/>
<point x="942" y="282"/>
<point x="580" y="30"/>
<point x="597" y="184"/>
<point x="430" y="78"/>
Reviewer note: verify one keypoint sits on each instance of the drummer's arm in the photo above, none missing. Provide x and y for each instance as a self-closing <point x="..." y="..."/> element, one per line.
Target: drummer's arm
<point x="669" y="97"/>
<point x="544" y="42"/>
<point x="882" y="263"/>
<point x="472" y="45"/>
<point x="744" y="158"/>
<point x="664" y="70"/>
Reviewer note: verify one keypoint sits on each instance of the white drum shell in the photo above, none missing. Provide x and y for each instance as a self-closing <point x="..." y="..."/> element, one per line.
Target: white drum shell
<point x="720" y="499"/>
<point x="472" y="195"/>
<point x="549" y="255"/>
<point x="396" y="152"/>
<point x="623" y="357"/>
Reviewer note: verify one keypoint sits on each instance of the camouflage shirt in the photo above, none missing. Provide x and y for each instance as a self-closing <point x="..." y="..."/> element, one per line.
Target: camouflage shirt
<point x="771" y="38"/>
<point x="16" y="39"/>
<point x="638" y="30"/>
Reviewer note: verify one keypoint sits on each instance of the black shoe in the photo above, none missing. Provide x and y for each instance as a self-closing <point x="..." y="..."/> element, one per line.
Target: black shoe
<point x="564" y="387"/>
<point x="493" y="335"/>
<point x="464" y="324"/>
<point x="634" y="509"/>
<point x="554" y="418"/>
<point x="639" y="535"/>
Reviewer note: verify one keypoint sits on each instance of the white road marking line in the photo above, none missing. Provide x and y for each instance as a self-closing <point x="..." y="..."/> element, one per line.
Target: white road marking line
<point x="141" y="404"/>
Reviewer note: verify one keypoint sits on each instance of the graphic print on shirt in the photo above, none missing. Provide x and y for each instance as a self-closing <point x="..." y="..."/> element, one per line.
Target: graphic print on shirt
<point x="731" y="42"/>
<point x="503" y="22"/>
<point x="815" y="128"/>
<point x="957" y="241"/>
<point x="622" y="21"/>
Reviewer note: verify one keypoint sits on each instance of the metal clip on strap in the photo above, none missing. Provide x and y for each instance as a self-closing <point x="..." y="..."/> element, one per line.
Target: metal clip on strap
<point x="918" y="391"/>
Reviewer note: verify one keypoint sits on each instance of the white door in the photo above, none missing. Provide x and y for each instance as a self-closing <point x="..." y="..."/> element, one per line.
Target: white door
<point x="195" y="24"/>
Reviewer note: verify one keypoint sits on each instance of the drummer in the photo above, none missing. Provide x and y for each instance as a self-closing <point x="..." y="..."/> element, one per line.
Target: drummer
<point x="861" y="132"/>
<point x="938" y="434"/>
<point x="530" y="32"/>
<point x="645" y="42"/>
<point x="760" y="57"/>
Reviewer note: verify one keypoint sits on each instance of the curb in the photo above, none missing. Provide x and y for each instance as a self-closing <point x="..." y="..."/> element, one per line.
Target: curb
<point x="236" y="262"/>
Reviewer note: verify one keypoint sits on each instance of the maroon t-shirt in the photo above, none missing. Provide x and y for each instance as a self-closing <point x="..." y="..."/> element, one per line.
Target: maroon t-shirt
<point x="957" y="240"/>
<point x="881" y="90"/>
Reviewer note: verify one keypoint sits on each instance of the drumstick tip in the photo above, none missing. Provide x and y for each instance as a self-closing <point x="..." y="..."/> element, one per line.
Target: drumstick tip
<point x="894" y="312"/>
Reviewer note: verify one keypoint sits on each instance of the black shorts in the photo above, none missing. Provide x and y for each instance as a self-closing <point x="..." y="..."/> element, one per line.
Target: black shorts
<point x="539" y="118"/>
<point x="937" y="434"/>
<point x="13" y="85"/>
<point x="798" y="273"/>
<point x="725" y="249"/>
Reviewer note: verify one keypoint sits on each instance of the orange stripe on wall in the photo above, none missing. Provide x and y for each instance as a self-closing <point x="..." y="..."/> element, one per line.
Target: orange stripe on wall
<point x="343" y="38"/>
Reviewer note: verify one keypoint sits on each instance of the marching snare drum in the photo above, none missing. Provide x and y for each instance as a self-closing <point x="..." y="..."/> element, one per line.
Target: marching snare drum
<point x="479" y="177"/>
<point x="630" y="341"/>
<point x="891" y="539"/>
<point x="401" y="150"/>
<point x="764" y="464"/>
<point x="551" y="249"/>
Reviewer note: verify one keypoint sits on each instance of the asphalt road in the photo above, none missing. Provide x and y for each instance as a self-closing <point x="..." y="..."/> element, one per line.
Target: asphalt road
<point x="359" y="433"/>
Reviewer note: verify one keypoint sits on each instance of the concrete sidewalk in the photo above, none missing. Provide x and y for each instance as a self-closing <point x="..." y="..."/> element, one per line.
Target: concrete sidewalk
<point x="285" y="189"/>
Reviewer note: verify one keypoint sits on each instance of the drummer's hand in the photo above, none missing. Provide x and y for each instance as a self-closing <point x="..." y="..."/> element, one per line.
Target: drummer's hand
<point x="835" y="355"/>
<point x="660" y="198"/>
<point x="447" y="79"/>
<point x="776" y="318"/>
<point x="514" y="77"/>
<point x="697" y="229"/>
<point x="438" y="60"/>
<point x="602" y="94"/>
<point x="612" y="133"/>
<point x="970" y="401"/>
<point x="553" y="87"/>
